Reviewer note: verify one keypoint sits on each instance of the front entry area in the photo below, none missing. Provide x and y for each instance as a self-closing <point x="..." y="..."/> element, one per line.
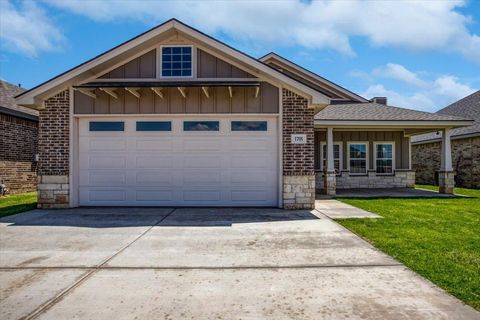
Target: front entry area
<point x="178" y="161"/>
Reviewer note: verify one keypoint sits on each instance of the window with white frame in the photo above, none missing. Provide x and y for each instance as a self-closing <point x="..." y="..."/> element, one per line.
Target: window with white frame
<point x="384" y="157"/>
<point x="357" y="158"/>
<point x="177" y="61"/>
<point x="337" y="156"/>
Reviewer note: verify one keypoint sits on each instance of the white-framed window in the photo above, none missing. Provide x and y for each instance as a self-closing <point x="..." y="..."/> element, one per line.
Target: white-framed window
<point x="384" y="155"/>
<point x="337" y="156"/>
<point x="176" y="61"/>
<point x="358" y="158"/>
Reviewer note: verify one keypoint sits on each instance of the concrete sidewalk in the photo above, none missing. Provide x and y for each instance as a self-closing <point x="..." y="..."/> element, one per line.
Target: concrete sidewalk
<point x="335" y="209"/>
<point x="188" y="263"/>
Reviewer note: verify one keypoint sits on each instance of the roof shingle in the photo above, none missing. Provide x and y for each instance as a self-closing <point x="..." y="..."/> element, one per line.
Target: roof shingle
<point x="378" y="112"/>
<point x="8" y="92"/>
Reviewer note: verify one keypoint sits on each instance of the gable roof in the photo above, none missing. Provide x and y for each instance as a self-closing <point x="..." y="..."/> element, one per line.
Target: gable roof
<point x="8" y="105"/>
<point x="352" y="112"/>
<point x="310" y="78"/>
<point x="468" y="107"/>
<point x="83" y="71"/>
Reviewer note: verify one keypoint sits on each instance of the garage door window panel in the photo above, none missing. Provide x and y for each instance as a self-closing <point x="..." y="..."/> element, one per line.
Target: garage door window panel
<point x="154" y="126"/>
<point x="106" y="126"/>
<point x="249" y="125"/>
<point x="201" y="126"/>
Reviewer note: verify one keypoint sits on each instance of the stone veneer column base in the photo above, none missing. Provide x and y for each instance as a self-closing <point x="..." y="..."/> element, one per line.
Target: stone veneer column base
<point x="446" y="181"/>
<point x="330" y="183"/>
<point x="299" y="192"/>
<point x="53" y="192"/>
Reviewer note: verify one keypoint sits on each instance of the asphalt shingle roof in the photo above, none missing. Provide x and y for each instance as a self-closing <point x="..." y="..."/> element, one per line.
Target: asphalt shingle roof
<point x="8" y="92"/>
<point x="468" y="107"/>
<point x="374" y="111"/>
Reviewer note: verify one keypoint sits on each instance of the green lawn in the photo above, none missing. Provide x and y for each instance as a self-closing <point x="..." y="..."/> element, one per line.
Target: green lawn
<point x="437" y="238"/>
<point x="17" y="203"/>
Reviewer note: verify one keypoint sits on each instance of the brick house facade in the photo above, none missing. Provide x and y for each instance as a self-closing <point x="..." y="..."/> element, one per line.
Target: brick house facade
<point x="93" y="150"/>
<point x="18" y="145"/>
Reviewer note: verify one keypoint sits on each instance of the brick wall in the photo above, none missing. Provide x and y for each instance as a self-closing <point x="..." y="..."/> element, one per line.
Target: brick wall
<point x="53" y="145"/>
<point x="298" y="159"/>
<point x="465" y="162"/>
<point x="53" y="136"/>
<point x="18" y="146"/>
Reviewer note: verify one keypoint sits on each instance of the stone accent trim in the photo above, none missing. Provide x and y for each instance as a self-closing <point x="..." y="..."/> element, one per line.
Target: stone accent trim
<point x="446" y="181"/>
<point x="299" y="192"/>
<point x="53" y="192"/>
<point x="330" y="183"/>
<point x="401" y="179"/>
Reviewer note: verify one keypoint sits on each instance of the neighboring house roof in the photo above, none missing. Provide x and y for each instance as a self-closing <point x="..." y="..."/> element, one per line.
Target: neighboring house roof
<point x="8" y="105"/>
<point x="374" y="112"/>
<point x="310" y="78"/>
<point x="83" y="72"/>
<point x="468" y="107"/>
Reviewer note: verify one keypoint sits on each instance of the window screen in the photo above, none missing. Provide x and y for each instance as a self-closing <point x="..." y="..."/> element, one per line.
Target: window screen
<point x="384" y="157"/>
<point x="358" y="158"/>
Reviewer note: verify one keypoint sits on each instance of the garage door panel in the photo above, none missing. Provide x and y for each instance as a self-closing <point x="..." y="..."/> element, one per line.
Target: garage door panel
<point x="107" y="144"/>
<point x="153" y="162"/>
<point x="202" y="145"/>
<point x="204" y="178"/>
<point x="102" y="196"/>
<point x="154" y="145"/>
<point x="154" y="195"/>
<point x="201" y="195"/>
<point x="102" y="161"/>
<point x="222" y="168"/>
<point x="154" y="178"/>
<point x="103" y="178"/>
<point x="200" y="161"/>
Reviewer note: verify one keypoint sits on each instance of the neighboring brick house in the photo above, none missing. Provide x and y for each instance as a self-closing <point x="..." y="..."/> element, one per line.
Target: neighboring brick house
<point x="465" y="142"/>
<point x="18" y="141"/>
<point x="174" y="117"/>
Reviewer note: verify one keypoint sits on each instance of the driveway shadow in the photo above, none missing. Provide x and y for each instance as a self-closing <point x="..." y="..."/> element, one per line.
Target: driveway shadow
<point x="108" y="217"/>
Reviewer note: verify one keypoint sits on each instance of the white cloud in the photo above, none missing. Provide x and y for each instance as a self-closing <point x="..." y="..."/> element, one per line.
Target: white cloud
<point x="414" y="25"/>
<point x="26" y="29"/>
<point x="437" y="94"/>
<point x="400" y="73"/>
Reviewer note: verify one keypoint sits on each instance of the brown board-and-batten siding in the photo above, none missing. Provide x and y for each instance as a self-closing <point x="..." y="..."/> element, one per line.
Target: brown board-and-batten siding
<point x="243" y="101"/>
<point x="401" y="145"/>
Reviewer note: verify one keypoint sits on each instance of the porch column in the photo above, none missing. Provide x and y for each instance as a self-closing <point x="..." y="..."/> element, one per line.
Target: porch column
<point x="445" y="174"/>
<point x="329" y="174"/>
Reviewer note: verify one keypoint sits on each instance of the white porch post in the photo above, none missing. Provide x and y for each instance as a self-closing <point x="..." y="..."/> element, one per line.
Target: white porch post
<point x="446" y="179"/>
<point x="329" y="174"/>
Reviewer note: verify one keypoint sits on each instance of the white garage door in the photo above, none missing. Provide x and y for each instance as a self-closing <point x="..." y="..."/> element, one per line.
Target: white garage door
<point x="214" y="161"/>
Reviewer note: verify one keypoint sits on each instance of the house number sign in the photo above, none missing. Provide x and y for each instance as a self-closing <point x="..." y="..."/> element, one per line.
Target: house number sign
<point x="299" y="138"/>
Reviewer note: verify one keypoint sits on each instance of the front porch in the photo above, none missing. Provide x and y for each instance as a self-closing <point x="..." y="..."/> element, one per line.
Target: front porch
<point x="385" y="193"/>
<point x="375" y="158"/>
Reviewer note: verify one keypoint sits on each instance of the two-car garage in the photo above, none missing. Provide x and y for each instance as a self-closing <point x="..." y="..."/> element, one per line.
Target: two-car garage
<point x="178" y="161"/>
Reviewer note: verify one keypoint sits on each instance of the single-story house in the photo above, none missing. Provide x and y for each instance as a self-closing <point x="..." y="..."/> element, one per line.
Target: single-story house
<point x="174" y="117"/>
<point x="465" y="143"/>
<point x="18" y="142"/>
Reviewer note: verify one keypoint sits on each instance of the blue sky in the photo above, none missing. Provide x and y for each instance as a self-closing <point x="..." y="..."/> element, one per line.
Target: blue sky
<point x="420" y="54"/>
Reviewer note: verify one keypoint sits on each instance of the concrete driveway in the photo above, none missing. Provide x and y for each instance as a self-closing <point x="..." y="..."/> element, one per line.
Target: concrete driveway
<point x="152" y="263"/>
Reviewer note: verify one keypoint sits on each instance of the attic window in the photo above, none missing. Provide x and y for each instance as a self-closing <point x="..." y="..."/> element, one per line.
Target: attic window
<point x="177" y="61"/>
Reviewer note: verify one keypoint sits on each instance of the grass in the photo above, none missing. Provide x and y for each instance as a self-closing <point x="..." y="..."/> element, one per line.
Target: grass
<point x="437" y="238"/>
<point x="16" y="203"/>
